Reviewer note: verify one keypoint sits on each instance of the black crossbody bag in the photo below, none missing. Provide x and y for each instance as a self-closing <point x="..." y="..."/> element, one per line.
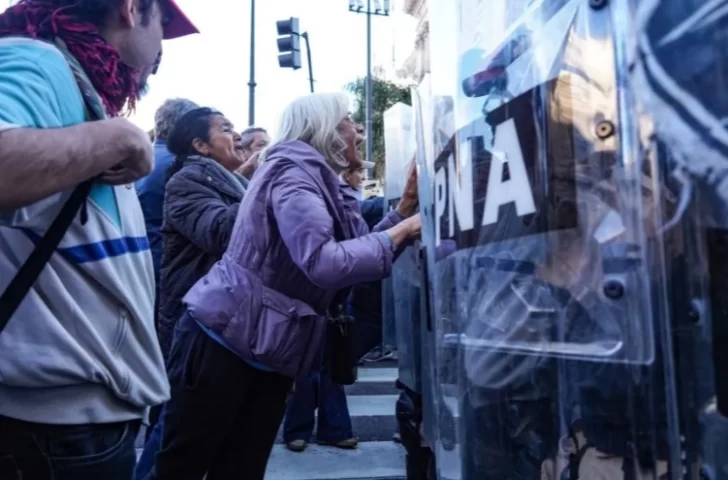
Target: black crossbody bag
<point x="342" y="362"/>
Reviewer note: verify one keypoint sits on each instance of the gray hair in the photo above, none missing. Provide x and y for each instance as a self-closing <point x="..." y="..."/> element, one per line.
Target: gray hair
<point x="247" y="137"/>
<point x="313" y="119"/>
<point x="169" y="113"/>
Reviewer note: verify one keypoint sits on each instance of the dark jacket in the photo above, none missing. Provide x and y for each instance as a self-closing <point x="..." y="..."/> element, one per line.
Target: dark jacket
<point x="290" y="262"/>
<point x="150" y="191"/>
<point x="372" y="209"/>
<point x="200" y="207"/>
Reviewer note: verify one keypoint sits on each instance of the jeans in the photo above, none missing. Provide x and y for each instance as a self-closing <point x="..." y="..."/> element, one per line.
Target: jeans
<point x="317" y="391"/>
<point x="223" y="416"/>
<point x="31" y="451"/>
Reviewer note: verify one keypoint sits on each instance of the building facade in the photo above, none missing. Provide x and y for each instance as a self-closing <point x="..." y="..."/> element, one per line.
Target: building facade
<point x="417" y="63"/>
<point x="487" y="21"/>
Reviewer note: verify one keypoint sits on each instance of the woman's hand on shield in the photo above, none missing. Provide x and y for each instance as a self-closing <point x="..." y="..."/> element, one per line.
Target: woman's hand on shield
<point x="410" y="195"/>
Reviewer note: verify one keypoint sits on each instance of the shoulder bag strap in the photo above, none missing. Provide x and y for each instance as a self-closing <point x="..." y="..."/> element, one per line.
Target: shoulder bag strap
<point x="28" y="273"/>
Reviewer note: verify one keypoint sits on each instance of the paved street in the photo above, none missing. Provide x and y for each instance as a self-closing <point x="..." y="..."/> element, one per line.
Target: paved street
<point x="372" y="460"/>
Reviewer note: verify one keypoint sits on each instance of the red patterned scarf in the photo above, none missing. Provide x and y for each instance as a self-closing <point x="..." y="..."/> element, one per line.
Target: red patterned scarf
<point x="42" y="19"/>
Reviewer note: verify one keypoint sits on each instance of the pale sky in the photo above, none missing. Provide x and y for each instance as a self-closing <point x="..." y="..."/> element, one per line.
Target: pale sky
<point x="212" y="68"/>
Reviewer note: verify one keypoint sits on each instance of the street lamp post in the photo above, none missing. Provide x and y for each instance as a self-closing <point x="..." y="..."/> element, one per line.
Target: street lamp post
<point x="357" y="6"/>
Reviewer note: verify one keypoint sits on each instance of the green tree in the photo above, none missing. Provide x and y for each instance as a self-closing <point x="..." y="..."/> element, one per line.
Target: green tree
<point x="384" y="95"/>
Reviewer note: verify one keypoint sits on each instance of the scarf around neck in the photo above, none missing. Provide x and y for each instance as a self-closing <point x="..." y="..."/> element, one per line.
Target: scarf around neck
<point x="114" y="81"/>
<point x="237" y="181"/>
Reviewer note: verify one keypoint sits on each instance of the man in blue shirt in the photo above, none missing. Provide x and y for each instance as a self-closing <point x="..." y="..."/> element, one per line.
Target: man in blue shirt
<point x="150" y="189"/>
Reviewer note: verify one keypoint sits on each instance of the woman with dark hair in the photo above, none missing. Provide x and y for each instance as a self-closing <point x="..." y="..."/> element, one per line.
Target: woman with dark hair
<point x="201" y="201"/>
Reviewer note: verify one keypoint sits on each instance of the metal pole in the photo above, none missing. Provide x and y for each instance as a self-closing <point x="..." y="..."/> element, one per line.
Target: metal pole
<point x="310" y="65"/>
<point x="251" y="83"/>
<point x="369" y="139"/>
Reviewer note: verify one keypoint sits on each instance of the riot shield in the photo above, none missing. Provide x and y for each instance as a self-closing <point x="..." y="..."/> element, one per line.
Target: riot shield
<point x="420" y="97"/>
<point x="439" y="418"/>
<point x="678" y="59"/>
<point x="546" y="255"/>
<point x="405" y="279"/>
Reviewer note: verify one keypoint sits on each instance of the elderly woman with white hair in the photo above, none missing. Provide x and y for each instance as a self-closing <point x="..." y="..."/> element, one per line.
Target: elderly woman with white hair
<point x="257" y="320"/>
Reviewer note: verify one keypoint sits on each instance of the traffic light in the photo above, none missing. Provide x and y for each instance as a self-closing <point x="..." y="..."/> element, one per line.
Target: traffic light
<point x="289" y="43"/>
<point x="380" y="8"/>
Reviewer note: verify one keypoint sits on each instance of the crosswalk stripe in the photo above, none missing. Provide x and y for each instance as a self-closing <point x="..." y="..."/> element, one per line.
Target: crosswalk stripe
<point x="371" y="405"/>
<point x="372" y="460"/>
<point x="373" y="375"/>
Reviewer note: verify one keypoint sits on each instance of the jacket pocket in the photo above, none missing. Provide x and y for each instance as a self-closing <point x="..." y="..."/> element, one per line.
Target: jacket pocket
<point x="288" y="334"/>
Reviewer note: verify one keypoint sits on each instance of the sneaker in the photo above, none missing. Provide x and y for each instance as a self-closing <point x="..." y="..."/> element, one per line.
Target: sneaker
<point x="373" y="356"/>
<point x="297" y="445"/>
<point x="378" y="354"/>
<point x="349" y="443"/>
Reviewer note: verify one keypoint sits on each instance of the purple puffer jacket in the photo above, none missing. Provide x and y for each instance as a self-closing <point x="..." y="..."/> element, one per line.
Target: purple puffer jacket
<point x="296" y="242"/>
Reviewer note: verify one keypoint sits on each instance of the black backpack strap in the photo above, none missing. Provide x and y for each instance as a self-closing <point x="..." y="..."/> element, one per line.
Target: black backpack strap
<point x="28" y="273"/>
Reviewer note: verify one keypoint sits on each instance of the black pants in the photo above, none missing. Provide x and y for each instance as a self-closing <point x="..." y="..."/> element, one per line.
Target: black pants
<point x="33" y="451"/>
<point x="223" y="416"/>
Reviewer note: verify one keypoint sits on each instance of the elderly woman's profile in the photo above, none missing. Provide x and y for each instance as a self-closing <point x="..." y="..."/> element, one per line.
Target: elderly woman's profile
<point x="257" y="320"/>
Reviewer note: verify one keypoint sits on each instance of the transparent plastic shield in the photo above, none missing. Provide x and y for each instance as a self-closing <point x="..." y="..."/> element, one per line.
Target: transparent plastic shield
<point x="405" y="279"/>
<point x="437" y="107"/>
<point x="434" y="125"/>
<point x="399" y="147"/>
<point x="544" y="260"/>
<point x="423" y="108"/>
<point x="526" y="194"/>
<point x="679" y="59"/>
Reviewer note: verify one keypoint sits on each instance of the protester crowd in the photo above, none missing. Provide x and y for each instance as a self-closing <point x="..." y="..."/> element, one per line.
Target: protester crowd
<point x="186" y="283"/>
